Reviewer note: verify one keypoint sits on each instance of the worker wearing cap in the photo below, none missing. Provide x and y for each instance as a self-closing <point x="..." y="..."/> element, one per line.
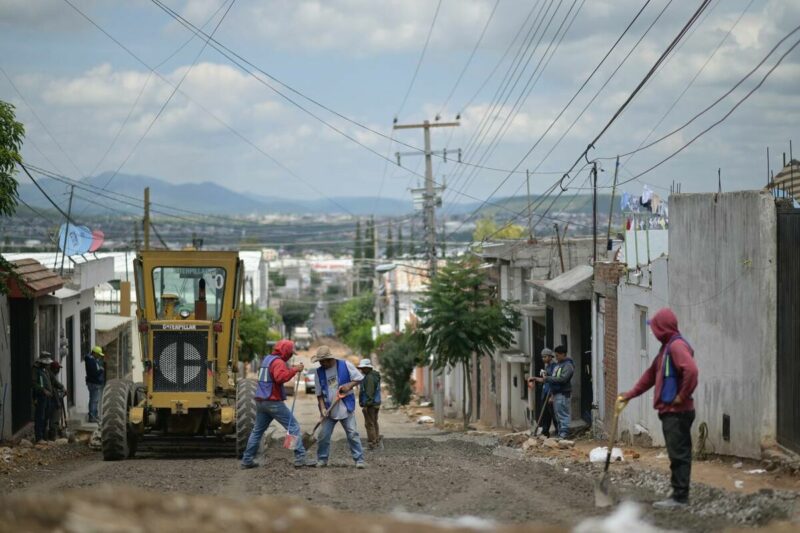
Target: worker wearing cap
<point x="95" y="380"/>
<point x="369" y="398"/>
<point x="335" y="380"/>
<point x="42" y="389"/>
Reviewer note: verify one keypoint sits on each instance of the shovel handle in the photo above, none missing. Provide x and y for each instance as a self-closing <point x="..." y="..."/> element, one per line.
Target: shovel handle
<point x="611" y="438"/>
<point x="338" y="397"/>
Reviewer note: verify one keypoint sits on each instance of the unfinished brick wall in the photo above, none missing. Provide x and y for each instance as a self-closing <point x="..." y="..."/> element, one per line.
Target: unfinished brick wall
<point x="608" y="276"/>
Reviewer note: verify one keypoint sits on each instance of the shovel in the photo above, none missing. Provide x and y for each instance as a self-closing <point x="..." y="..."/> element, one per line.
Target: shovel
<point x="602" y="495"/>
<point x="290" y="441"/>
<point x="541" y="414"/>
<point x="309" y="439"/>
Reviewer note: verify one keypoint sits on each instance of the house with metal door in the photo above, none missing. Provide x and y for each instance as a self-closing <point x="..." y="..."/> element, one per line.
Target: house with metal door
<point x="731" y="277"/>
<point x="29" y="325"/>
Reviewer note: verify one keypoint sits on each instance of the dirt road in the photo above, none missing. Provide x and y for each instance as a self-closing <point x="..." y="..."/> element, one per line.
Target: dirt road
<point x="419" y="471"/>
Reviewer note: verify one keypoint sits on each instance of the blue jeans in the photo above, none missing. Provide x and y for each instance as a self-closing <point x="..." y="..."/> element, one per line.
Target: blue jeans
<point x="95" y="391"/>
<point x="41" y="415"/>
<point x="353" y="439"/>
<point x="266" y="412"/>
<point x="561" y="404"/>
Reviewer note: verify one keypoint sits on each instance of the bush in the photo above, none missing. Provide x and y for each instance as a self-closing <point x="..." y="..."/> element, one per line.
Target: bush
<point x="398" y="356"/>
<point x="353" y="321"/>
<point x="256" y="328"/>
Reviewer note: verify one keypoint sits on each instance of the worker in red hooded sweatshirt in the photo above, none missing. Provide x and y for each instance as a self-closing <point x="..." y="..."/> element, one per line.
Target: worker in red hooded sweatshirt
<point x="270" y="397"/>
<point x="674" y="375"/>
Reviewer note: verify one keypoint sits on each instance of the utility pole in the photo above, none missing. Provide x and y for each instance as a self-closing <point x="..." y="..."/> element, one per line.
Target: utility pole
<point x="611" y="207"/>
<point x="594" y="210"/>
<point x="66" y="231"/>
<point x="429" y="206"/>
<point x="146" y="223"/>
<point x="530" y="212"/>
<point x="430" y="193"/>
<point x="376" y="282"/>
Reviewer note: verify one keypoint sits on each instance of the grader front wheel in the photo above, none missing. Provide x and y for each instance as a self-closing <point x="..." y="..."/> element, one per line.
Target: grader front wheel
<point x="245" y="413"/>
<point x="117" y="442"/>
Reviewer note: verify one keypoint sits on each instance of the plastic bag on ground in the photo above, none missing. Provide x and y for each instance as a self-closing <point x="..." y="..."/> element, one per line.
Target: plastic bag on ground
<point x="598" y="455"/>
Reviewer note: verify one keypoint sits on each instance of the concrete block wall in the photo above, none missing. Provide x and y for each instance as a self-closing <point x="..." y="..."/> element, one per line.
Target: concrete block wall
<point x="722" y="286"/>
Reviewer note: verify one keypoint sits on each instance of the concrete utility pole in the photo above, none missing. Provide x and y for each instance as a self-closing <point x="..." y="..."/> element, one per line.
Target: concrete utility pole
<point x="66" y="231"/>
<point x="429" y="195"/>
<point x="429" y="206"/>
<point x="376" y="282"/>
<point x="146" y="223"/>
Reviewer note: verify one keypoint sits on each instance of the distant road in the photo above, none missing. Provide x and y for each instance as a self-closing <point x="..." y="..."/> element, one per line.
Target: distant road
<point x="322" y="324"/>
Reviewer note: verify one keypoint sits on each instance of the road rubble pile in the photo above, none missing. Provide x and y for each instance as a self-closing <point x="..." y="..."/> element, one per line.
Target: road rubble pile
<point x="125" y="510"/>
<point x="753" y="509"/>
<point x="25" y="455"/>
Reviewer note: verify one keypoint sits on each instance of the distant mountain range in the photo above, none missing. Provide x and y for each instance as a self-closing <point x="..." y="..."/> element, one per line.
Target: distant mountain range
<point x="215" y="199"/>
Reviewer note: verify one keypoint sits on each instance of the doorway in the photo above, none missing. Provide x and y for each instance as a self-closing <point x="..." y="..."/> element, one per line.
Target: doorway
<point x="22" y="335"/>
<point x="69" y="326"/>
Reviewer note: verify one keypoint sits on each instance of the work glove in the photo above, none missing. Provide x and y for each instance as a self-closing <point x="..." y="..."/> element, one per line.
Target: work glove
<point x="620" y="404"/>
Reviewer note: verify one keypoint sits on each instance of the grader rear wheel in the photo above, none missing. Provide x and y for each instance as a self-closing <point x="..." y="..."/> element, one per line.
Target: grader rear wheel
<point x="245" y="413"/>
<point x="117" y="442"/>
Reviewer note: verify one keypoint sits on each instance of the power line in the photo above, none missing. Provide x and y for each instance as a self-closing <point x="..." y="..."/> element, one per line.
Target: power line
<point x="566" y="106"/>
<point x="52" y="202"/>
<point x="230" y="128"/>
<point x="169" y="98"/>
<point x="718" y="100"/>
<point x="421" y="57"/>
<point x="630" y="98"/>
<point x="716" y="123"/>
<point x="144" y="86"/>
<point x="530" y="85"/>
<point x="239" y="61"/>
<point x="41" y="123"/>
<point x="694" y="78"/>
<point x="470" y="58"/>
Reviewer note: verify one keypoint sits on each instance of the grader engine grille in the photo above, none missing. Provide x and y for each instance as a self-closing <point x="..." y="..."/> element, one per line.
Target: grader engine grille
<point x="179" y="361"/>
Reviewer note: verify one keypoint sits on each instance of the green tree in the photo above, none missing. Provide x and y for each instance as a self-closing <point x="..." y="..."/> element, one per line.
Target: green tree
<point x="295" y="313"/>
<point x="316" y="278"/>
<point x="256" y="328"/>
<point x="486" y="228"/>
<point x="399" y="247"/>
<point x="399" y="355"/>
<point x="11" y="135"/>
<point x="389" y="243"/>
<point x="358" y="255"/>
<point x="277" y="279"/>
<point x="353" y="321"/>
<point x="459" y="318"/>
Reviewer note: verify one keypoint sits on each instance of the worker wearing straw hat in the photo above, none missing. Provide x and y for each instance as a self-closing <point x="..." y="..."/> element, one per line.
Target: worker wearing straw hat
<point x="335" y="381"/>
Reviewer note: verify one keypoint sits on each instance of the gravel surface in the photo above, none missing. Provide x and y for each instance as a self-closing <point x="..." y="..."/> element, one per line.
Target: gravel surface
<point x="419" y="472"/>
<point x="440" y="476"/>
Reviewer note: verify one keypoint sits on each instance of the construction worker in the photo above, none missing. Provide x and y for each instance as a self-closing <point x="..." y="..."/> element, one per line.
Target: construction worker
<point x="560" y="383"/>
<point x="42" y="395"/>
<point x="95" y="380"/>
<point x="335" y="381"/>
<point x="674" y="375"/>
<point x="270" y="397"/>
<point x="56" y="402"/>
<point x="548" y="416"/>
<point x="369" y="398"/>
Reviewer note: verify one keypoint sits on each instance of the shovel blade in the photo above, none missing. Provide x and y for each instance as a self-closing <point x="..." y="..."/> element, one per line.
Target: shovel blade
<point x="308" y="440"/>
<point x="602" y="495"/>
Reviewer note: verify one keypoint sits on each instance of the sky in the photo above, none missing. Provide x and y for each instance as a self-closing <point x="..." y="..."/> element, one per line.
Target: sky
<point x="89" y="106"/>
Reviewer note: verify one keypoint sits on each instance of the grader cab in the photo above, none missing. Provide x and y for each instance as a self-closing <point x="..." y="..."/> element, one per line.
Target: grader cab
<point x="191" y="395"/>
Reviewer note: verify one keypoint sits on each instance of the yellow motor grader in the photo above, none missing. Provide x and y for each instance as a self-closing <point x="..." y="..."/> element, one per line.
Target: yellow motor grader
<point x="190" y="397"/>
